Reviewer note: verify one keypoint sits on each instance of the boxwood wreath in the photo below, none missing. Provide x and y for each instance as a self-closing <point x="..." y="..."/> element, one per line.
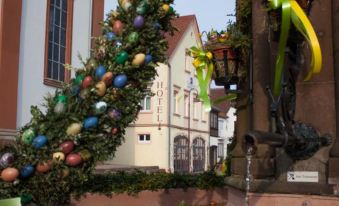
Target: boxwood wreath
<point x="85" y="122"/>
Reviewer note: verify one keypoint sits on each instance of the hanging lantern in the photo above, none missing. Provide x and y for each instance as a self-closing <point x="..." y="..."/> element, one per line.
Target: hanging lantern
<point x="226" y="68"/>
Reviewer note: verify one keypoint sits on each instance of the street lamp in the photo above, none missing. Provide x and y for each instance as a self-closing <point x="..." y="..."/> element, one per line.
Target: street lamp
<point x="226" y="68"/>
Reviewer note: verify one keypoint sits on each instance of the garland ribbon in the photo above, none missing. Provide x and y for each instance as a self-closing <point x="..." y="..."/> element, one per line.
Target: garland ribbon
<point x="291" y="11"/>
<point x="203" y="60"/>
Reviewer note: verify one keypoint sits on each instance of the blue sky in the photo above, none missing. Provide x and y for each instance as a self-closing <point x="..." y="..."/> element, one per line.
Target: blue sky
<point x="210" y="13"/>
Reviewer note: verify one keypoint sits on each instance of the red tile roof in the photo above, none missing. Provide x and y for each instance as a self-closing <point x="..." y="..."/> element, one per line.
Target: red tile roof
<point x="181" y="24"/>
<point x="223" y="106"/>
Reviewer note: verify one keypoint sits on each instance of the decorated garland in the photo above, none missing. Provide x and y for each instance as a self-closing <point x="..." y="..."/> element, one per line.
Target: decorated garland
<point x="85" y="122"/>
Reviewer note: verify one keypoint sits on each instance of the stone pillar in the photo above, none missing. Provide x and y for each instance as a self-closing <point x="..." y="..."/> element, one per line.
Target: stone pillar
<point x="258" y="112"/>
<point x="334" y="155"/>
<point x="10" y="22"/>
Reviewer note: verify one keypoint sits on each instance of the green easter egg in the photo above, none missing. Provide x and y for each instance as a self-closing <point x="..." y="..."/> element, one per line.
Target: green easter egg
<point x="27" y="136"/>
<point x="133" y="37"/>
<point x="121" y="58"/>
<point x="79" y="78"/>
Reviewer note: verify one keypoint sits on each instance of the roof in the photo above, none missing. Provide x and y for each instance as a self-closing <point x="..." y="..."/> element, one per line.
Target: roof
<point x="181" y="24"/>
<point x="223" y="106"/>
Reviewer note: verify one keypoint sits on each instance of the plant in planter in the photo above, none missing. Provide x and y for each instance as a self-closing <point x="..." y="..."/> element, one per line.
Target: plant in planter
<point x="227" y="50"/>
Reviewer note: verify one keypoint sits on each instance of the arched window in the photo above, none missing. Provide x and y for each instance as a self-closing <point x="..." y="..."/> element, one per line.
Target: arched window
<point x="181" y="150"/>
<point x="198" y="155"/>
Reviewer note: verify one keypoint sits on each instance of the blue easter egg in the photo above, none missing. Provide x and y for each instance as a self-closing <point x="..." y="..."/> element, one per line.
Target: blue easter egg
<point x="148" y="58"/>
<point x="26" y="171"/>
<point x="110" y="36"/>
<point x="75" y="90"/>
<point x="100" y="71"/>
<point x="120" y="81"/>
<point x="157" y="25"/>
<point x="90" y="122"/>
<point x="39" y="141"/>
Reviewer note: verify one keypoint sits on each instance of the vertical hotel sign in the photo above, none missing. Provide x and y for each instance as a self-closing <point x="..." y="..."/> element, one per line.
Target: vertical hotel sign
<point x="159" y="94"/>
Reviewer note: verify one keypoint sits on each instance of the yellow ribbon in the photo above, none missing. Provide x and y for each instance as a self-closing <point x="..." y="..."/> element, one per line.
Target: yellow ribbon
<point x="305" y="28"/>
<point x="291" y="11"/>
<point x="202" y="61"/>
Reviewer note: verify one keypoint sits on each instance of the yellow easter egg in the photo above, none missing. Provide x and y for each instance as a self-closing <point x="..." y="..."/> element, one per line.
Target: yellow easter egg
<point x="165" y="7"/>
<point x="139" y="59"/>
<point x="100" y="88"/>
<point x="58" y="156"/>
<point x="73" y="129"/>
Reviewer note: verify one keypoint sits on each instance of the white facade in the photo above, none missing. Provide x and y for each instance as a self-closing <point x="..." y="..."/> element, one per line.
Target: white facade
<point x="32" y="51"/>
<point x="168" y="116"/>
<point x="225" y="133"/>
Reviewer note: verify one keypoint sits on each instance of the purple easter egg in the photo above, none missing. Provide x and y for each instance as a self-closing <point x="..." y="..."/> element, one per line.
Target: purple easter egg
<point x="6" y="159"/>
<point x="114" y="114"/>
<point x="139" y="21"/>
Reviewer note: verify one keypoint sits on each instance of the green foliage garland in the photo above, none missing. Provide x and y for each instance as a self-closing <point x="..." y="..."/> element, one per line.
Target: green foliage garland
<point x="100" y="135"/>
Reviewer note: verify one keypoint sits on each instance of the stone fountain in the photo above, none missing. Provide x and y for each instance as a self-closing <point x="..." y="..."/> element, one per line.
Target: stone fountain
<point x="293" y="136"/>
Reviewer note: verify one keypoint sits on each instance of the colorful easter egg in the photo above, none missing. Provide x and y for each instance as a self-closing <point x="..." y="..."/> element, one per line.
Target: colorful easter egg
<point x="58" y="157"/>
<point x="91" y="122"/>
<point x="100" y="88"/>
<point x="73" y="160"/>
<point x="121" y="57"/>
<point x="118" y="27"/>
<point x="39" y="141"/>
<point x="9" y="174"/>
<point x="107" y="78"/>
<point x="139" y="22"/>
<point x="26" y="171"/>
<point x="139" y="59"/>
<point x="87" y="82"/>
<point x="100" y="71"/>
<point x="120" y="81"/>
<point x="6" y="159"/>
<point x="73" y="129"/>
<point x="67" y="146"/>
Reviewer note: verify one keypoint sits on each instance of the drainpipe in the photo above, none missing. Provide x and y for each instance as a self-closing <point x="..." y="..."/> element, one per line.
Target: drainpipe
<point x="169" y="90"/>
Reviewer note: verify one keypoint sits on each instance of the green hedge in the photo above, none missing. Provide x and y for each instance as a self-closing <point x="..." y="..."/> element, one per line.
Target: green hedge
<point x="133" y="183"/>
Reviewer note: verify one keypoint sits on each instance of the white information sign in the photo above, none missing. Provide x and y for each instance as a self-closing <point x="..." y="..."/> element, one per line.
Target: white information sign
<point x="302" y="176"/>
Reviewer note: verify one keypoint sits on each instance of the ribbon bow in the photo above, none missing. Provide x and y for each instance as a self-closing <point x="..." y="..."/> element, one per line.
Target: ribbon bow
<point x="203" y="60"/>
<point x="291" y="12"/>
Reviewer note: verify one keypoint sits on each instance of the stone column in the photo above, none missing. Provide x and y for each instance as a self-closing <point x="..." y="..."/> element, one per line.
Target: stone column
<point x="257" y="115"/>
<point x="334" y="155"/>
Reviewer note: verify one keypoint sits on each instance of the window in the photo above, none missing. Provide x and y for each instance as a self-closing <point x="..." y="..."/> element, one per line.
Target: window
<point x="176" y="101"/>
<point x="221" y="128"/>
<point x="186" y="100"/>
<point x="58" y="41"/>
<point x="146" y="104"/>
<point x="220" y="149"/>
<point x="195" y="108"/>
<point x="188" y="63"/>
<point x="198" y="155"/>
<point x="144" y="138"/>
<point x="214" y="120"/>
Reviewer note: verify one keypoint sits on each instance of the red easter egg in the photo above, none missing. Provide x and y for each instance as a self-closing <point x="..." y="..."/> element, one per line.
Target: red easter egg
<point x="87" y="82"/>
<point x="73" y="159"/>
<point x="118" y="26"/>
<point x="67" y="146"/>
<point x="107" y="78"/>
<point x="44" y="167"/>
<point x="114" y="131"/>
<point x="9" y="174"/>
